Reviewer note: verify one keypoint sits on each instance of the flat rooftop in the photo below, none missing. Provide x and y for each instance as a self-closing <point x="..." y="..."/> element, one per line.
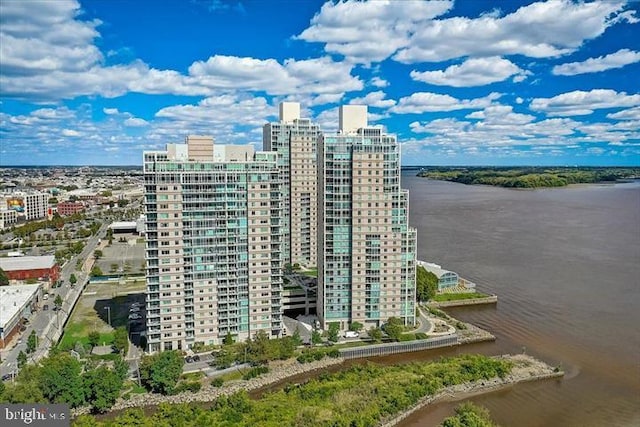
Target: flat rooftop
<point x="13" y="299"/>
<point x="27" y="262"/>
<point x="121" y="225"/>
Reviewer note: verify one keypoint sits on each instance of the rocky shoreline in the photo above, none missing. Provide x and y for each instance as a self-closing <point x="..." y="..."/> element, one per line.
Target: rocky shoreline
<point x="526" y="368"/>
<point x="279" y="370"/>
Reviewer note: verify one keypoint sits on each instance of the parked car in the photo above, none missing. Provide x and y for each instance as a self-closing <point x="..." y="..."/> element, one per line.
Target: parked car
<point x="136" y="304"/>
<point x="6" y="377"/>
<point x="188" y="359"/>
<point x="134" y="316"/>
<point x="351" y="334"/>
<point x="45" y="307"/>
<point x="196" y="358"/>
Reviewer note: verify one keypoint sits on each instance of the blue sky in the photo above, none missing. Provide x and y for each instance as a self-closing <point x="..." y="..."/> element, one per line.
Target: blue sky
<point x="472" y="82"/>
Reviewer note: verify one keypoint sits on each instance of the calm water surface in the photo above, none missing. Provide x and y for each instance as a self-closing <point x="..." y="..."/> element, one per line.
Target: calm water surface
<point x="565" y="264"/>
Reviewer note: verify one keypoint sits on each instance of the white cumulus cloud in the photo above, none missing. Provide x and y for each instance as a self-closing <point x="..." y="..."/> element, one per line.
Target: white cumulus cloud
<point x="372" y="31"/>
<point x="602" y="63"/>
<point x="472" y="72"/>
<point x="421" y="102"/>
<point x="579" y="103"/>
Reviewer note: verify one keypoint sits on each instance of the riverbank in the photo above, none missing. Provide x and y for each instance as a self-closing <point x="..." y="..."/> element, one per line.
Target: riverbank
<point x="526" y="368"/>
<point x="278" y="371"/>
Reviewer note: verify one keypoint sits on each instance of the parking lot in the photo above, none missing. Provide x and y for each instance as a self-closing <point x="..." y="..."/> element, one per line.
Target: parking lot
<point x="103" y="307"/>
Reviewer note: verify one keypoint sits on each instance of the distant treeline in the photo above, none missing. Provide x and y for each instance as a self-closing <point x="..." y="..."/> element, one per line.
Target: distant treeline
<point x="528" y="177"/>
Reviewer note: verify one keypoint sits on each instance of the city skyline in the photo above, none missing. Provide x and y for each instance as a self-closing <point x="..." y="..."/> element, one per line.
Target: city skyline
<point x="459" y="83"/>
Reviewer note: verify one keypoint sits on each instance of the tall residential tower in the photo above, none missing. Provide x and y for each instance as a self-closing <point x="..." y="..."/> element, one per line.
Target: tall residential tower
<point x="366" y="249"/>
<point x="295" y="141"/>
<point x="213" y="245"/>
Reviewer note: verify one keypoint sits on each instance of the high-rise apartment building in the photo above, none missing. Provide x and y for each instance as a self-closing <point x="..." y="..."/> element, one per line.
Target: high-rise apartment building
<point x="213" y="244"/>
<point x="295" y="140"/>
<point x="35" y="206"/>
<point x="366" y="249"/>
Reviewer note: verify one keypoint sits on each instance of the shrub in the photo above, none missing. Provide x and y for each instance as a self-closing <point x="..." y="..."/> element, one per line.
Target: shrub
<point x="407" y="337"/>
<point x="217" y="382"/>
<point x="255" y="372"/>
<point x="421" y="336"/>
<point x="192" y="386"/>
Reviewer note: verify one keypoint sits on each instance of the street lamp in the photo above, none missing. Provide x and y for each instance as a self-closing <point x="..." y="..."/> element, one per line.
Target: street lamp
<point x="108" y="314"/>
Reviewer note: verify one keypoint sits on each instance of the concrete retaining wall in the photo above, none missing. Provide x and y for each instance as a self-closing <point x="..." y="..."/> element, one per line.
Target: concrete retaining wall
<point x="492" y="299"/>
<point x="398" y="347"/>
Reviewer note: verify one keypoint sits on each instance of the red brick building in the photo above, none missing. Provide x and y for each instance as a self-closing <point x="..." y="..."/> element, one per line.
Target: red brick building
<point x="31" y="267"/>
<point x="69" y="208"/>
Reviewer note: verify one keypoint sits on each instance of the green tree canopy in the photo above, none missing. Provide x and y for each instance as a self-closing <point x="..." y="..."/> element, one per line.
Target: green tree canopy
<point x="102" y="387"/>
<point x="57" y="301"/>
<point x="426" y="284"/>
<point x="4" y="279"/>
<point x="394" y="328"/>
<point x="121" y="339"/>
<point x="356" y="326"/>
<point x="334" y="331"/>
<point x="375" y="334"/>
<point x="32" y="342"/>
<point x="94" y="338"/>
<point x="61" y="381"/>
<point x="316" y="337"/>
<point x="160" y="372"/>
<point x="22" y="359"/>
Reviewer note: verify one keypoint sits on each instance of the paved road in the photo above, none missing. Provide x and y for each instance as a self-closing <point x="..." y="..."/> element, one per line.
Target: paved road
<point x="47" y="322"/>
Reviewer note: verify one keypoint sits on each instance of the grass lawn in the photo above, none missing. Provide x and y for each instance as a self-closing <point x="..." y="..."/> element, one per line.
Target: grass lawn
<point x="79" y="331"/>
<point x="458" y="297"/>
<point x="311" y="273"/>
<point x="235" y="375"/>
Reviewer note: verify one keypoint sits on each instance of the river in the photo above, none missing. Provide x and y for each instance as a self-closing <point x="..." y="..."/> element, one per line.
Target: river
<point x="565" y="264"/>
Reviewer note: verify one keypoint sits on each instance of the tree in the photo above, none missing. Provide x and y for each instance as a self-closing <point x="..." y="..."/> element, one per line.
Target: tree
<point x="356" y="326"/>
<point x="316" y="338"/>
<point x="32" y="342"/>
<point x="94" y="338"/>
<point x="394" y="328"/>
<point x="102" y="388"/>
<point x="426" y="284"/>
<point x="57" y="302"/>
<point x="334" y="331"/>
<point x="97" y="254"/>
<point x="121" y="368"/>
<point x="160" y="372"/>
<point x="22" y="359"/>
<point x="73" y="279"/>
<point x="297" y="340"/>
<point x="228" y="339"/>
<point x="121" y="339"/>
<point x="4" y="279"/>
<point x="375" y="334"/>
<point x="96" y="271"/>
<point x="61" y="381"/>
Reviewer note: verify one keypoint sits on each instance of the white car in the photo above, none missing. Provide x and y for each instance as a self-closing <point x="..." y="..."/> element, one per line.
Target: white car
<point x="134" y="316"/>
<point x="351" y="334"/>
<point x="134" y="309"/>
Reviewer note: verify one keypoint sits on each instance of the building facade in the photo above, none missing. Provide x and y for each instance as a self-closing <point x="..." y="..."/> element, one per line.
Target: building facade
<point x="69" y="208"/>
<point x="295" y="141"/>
<point x="366" y="249"/>
<point x="35" y="206"/>
<point x="8" y="217"/>
<point x="213" y="244"/>
<point x="31" y="267"/>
